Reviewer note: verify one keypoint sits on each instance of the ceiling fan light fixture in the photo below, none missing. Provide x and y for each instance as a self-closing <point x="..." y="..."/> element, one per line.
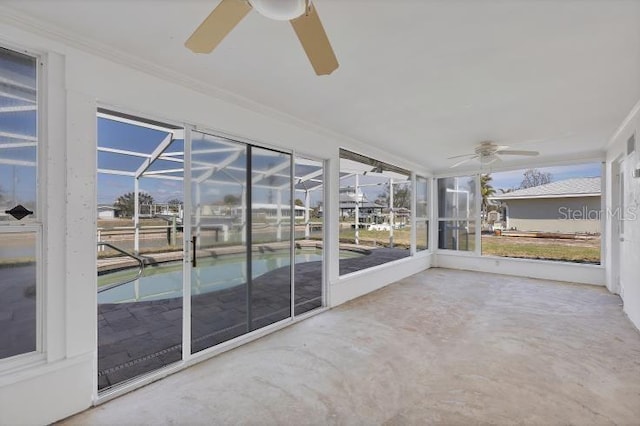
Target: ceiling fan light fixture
<point x="488" y="159"/>
<point x="280" y="10"/>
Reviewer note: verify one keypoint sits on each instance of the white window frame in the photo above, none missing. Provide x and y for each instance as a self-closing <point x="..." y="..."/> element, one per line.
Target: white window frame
<point x="473" y="219"/>
<point x="417" y="218"/>
<point x="35" y="223"/>
<point x="325" y="231"/>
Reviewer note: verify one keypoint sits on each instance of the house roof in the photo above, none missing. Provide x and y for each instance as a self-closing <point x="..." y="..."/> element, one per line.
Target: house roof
<point x="576" y="187"/>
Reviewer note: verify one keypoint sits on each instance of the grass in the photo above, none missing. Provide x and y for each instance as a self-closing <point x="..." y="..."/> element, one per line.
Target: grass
<point x="110" y="223"/>
<point x="546" y="249"/>
<point x="18" y="261"/>
<point x="518" y="247"/>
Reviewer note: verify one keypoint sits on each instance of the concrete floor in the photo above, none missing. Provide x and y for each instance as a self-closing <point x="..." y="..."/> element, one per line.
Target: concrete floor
<point x="442" y="346"/>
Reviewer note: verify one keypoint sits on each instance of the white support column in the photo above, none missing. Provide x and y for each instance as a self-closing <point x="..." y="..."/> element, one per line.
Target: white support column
<point x="478" y="218"/>
<point x="331" y="225"/>
<point x="391" y="217"/>
<point x="279" y="215"/>
<point x="198" y="211"/>
<point x="604" y="218"/>
<point x="136" y="215"/>
<point x="434" y="223"/>
<point x="186" y="213"/>
<point x="243" y="210"/>
<point x="173" y="232"/>
<point x="357" y="211"/>
<point x="307" y="205"/>
<point x="412" y="215"/>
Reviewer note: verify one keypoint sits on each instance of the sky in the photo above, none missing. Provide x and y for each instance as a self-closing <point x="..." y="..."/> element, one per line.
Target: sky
<point x="122" y="136"/>
<point x="118" y="135"/>
<point x="512" y="179"/>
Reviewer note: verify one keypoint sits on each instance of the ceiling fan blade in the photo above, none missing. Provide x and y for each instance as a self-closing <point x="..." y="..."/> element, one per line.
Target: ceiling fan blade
<point x="465" y="161"/>
<point x="492" y="160"/>
<point x="217" y="25"/>
<point x="315" y="42"/>
<point x="461" y="156"/>
<point x="517" y="152"/>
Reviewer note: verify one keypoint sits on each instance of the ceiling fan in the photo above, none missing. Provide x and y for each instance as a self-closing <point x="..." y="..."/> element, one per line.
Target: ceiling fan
<point x="488" y="152"/>
<point x="301" y="13"/>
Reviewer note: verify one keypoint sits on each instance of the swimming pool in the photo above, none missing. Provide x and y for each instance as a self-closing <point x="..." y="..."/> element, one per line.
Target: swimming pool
<point x="164" y="281"/>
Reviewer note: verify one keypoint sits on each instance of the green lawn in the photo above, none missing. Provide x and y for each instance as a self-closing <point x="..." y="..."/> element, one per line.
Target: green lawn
<point x="539" y="248"/>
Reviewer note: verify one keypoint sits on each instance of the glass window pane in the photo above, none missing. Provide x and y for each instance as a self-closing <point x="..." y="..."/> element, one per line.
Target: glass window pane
<point x="456" y="197"/>
<point x="18" y="133"/>
<point x="374" y="212"/>
<point x="422" y="235"/>
<point x="546" y="213"/>
<point x="139" y="317"/>
<point x="219" y="285"/>
<point x="456" y="235"/>
<point x="422" y="198"/>
<point x="309" y="194"/>
<point x="17" y="293"/>
<point x="271" y="236"/>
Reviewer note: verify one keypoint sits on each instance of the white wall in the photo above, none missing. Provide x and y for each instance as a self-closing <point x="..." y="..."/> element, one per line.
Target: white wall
<point x="555" y="214"/>
<point x="77" y="82"/>
<point x="546" y="270"/>
<point x="359" y="283"/>
<point x="627" y="267"/>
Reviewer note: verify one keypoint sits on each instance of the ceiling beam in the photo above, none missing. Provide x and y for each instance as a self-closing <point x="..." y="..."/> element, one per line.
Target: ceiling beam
<point x="116" y="172"/>
<point x="18" y="145"/>
<point x="155" y="154"/>
<point x="19" y="108"/>
<point x="229" y="160"/>
<point x="137" y="123"/>
<point x="18" y="136"/>
<point x="11" y="162"/>
<point x="123" y="152"/>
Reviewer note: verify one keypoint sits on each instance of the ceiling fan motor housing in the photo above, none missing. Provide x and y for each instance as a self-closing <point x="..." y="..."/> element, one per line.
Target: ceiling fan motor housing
<point x="280" y="10"/>
<point x="486" y="149"/>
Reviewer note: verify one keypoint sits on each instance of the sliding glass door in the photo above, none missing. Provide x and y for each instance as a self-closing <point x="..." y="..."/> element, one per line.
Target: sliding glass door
<point x="240" y="239"/>
<point x="195" y="243"/>
<point x="271" y="226"/>
<point x="219" y="285"/>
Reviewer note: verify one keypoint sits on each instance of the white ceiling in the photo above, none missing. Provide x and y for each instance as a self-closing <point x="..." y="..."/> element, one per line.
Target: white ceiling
<point x="427" y="78"/>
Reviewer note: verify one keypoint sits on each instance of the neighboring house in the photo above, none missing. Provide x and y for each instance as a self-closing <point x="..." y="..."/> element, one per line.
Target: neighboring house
<point x="367" y="210"/>
<point x="107" y="212"/>
<point x="567" y="206"/>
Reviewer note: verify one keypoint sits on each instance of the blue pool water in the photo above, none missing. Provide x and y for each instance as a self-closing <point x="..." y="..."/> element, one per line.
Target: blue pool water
<point x="165" y="281"/>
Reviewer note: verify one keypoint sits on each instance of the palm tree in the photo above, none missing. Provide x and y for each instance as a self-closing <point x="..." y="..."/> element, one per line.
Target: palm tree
<point x="125" y="202"/>
<point x="486" y="191"/>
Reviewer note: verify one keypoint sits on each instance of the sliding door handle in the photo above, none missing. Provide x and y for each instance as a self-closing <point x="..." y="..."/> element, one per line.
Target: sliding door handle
<point x="194" y="245"/>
